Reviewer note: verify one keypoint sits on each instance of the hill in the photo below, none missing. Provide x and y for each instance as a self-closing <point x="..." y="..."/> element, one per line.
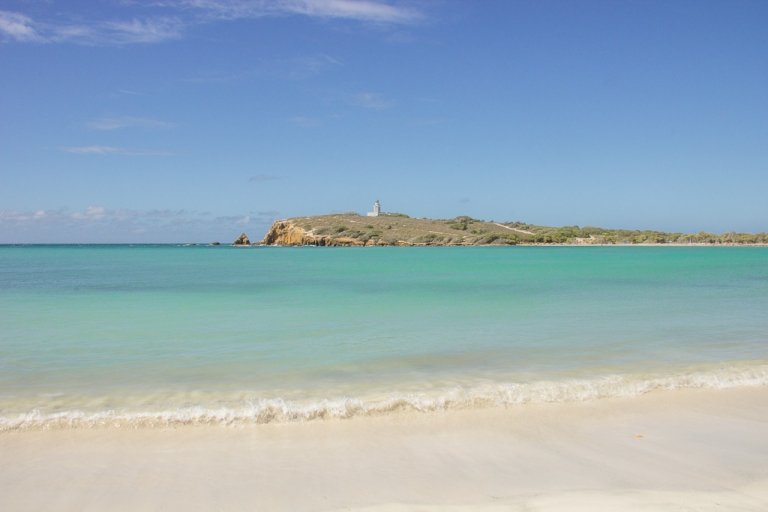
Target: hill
<point x="351" y="229"/>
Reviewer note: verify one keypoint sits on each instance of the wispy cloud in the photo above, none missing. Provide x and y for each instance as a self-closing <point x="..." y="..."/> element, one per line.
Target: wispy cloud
<point x="117" y="123"/>
<point x="262" y="178"/>
<point x="100" y="214"/>
<point x="306" y="67"/>
<point x="18" y="27"/>
<point x="238" y="220"/>
<point x="373" y="101"/>
<point x="151" y="30"/>
<point x="358" y="10"/>
<point x="15" y="216"/>
<point x="165" y="20"/>
<point x="90" y="213"/>
<point x="304" y="121"/>
<point x="352" y="9"/>
<point x="94" y="150"/>
<point x="112" y="150"/>
<point x="99" y="223"/>
<point x="297" y="68"/>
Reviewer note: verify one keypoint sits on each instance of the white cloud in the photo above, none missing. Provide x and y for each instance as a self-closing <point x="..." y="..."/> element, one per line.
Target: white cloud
<point x="373" y="101"/>
<point x="142" y="31"/>
<point x="112" y="150"/>
<point x="93" y="150"/>
<point x="14" y="216"/>
<point x="116" y="123"/>
<point x="21" y="28"/>
<point x="18" y="27"/>
<point x="351" y="9"/>
<point x="90" y="213"/>
<point x="102" y="224"/>
<point x="169" y="18"/>
<point x="358" y="10"/>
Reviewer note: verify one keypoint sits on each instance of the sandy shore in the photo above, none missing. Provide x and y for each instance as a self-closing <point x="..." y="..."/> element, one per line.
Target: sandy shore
<point x="679" y="450"/>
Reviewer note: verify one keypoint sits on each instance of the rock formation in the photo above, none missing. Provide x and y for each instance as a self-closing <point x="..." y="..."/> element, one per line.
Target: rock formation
<point x="285" y="232"/>
<point x="242" y="240"/>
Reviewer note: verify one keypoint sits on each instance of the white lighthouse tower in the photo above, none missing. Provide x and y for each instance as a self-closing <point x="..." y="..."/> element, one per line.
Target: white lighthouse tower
<point x="376" y="209"/>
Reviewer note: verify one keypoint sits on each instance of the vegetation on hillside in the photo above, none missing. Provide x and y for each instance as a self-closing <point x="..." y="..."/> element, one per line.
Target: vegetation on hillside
<point x="399" y="229"/>
<point x="575" y="234"/>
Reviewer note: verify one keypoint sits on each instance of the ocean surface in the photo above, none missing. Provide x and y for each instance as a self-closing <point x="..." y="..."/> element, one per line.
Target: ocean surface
<point x="159" y="335"/>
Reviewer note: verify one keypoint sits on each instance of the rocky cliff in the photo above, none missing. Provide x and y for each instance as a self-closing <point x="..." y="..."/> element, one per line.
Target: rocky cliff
<point x="287" y="232"/>
<point x="386" y="230"/>
<point x="242" y="240"/>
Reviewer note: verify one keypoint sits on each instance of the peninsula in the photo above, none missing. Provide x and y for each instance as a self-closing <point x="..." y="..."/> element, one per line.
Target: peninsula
<point x="396" y="229"/>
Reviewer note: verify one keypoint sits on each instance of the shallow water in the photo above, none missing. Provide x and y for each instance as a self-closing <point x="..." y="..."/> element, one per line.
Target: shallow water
<point x="158" y="334"/>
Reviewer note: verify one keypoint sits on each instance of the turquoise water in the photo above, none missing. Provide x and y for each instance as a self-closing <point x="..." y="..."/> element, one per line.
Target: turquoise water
<point x="159" y="334"/>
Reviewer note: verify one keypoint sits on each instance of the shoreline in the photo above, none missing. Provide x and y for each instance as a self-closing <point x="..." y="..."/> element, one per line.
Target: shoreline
<point x="240" y="407"/>
<point x="508" y="245"/>
<point x="207" y="244"/>
<point x="351" y="229"/>
<point x="699" y="448"/>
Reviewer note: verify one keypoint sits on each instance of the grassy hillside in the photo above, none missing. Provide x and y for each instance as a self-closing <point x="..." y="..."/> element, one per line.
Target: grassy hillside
<point x="570" y="234"/>
<point x="398" y="229"/>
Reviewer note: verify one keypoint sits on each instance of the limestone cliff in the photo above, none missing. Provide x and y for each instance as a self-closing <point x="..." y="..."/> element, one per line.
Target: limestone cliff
<point x="286" y="232"/>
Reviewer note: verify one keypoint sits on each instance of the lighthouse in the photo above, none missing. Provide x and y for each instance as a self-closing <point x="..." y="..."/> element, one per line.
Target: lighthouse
<point x="376" y="209"/>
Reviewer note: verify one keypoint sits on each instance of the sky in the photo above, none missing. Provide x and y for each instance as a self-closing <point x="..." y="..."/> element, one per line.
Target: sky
<point x="195" y="120"/>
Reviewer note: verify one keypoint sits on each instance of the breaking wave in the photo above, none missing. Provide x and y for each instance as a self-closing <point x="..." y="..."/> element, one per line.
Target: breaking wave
<point x="275" y="410"/>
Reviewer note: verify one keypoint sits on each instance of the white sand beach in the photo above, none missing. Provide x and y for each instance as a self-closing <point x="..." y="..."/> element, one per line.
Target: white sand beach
<point x="672" y="450"/>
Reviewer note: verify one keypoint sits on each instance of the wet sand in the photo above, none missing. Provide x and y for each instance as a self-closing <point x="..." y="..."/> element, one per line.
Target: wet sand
<point x="672" y="450"/>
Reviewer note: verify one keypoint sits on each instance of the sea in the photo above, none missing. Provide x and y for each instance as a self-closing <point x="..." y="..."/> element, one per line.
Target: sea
<point x="165" y="335"/>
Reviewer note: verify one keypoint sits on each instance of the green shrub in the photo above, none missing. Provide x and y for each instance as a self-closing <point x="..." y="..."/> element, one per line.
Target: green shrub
<point x="489" y="239"/>
<point x="427" y="239"/>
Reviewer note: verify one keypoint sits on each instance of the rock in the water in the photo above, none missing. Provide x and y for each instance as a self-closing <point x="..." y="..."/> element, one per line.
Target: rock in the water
<point x="215" y="243"/>
<point x="242" y="240"/>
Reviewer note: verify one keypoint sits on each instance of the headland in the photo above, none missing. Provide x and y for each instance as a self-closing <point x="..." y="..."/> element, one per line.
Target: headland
<point x="352" y="229"/>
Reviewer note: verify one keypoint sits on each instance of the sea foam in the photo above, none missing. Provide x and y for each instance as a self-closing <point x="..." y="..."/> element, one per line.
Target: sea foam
<point x="501" y="394"/>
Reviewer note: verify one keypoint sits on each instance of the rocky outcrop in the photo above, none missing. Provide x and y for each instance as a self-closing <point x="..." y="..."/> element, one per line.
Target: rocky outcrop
<point x="285" y="232"/>
<point x="242" y="240"/>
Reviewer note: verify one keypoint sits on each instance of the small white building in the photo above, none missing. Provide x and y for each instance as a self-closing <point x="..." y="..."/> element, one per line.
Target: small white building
<point x="376" y="209"/>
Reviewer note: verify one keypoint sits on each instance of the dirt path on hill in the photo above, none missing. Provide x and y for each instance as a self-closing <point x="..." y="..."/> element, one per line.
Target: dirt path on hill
<point x="514" y="229"/>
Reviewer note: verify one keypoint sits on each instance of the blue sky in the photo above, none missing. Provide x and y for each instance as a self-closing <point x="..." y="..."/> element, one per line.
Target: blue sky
<point x="194" y="120"/>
